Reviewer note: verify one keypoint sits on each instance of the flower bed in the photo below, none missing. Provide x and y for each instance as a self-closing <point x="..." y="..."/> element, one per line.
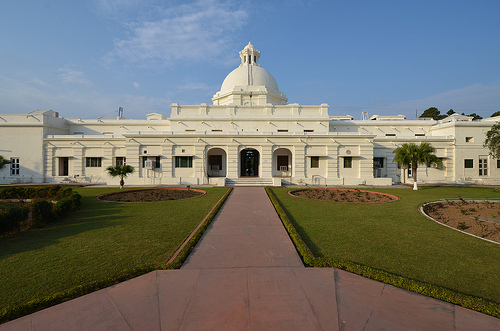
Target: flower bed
<point x="344" y="195"/>
<point x="479" y="218"/>
<point x="150" y="195"/>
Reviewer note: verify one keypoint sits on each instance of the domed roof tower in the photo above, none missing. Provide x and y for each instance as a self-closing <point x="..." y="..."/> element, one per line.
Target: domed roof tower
<point x="249" y="84"/>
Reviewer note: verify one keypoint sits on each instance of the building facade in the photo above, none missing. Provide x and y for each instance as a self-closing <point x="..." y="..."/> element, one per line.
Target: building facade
<point x="249" y="135"/>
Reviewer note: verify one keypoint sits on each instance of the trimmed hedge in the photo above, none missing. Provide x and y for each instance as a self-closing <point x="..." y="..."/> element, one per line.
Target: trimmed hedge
<point x="40" y="211"/>
<point x="11" y="217"/>
<point x="57" y="298"/>
<point x="441" y="293"/>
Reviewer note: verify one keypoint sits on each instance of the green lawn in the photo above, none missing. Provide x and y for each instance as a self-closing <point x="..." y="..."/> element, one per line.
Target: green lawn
<point x="99" y="241"/>
<point x="396" y="238"/>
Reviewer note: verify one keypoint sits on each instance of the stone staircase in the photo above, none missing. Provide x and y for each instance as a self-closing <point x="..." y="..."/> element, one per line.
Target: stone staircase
<point x="249" y="181"/>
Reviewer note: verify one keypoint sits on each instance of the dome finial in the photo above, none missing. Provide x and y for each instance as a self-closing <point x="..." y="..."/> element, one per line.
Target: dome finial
<point x="249" y="55"/>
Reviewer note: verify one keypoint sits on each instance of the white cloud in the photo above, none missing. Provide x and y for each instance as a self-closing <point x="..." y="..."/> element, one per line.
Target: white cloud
<point x="70" y="76"/>
<point x="196" y="86"/>
<point x="136" y="85"/>
<point x="201" y="31"/>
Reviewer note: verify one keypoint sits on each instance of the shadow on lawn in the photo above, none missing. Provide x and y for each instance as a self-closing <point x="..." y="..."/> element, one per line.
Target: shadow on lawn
<point x="87" y="218"/>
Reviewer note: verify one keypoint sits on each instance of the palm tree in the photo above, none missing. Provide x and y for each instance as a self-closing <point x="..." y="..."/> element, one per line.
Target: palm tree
<point x="120" y="171"/>
<point x="3" y="162"/>
<point x="492" y="140"/>
<point x="411" y="154"/>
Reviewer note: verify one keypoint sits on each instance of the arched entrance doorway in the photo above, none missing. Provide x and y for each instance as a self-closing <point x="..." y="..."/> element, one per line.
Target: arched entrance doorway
<point x="249" y="163"/>
<point x="216" y="162"/>
<point x="282" y="162"/>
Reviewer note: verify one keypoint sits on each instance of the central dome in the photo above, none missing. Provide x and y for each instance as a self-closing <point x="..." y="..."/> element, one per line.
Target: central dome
<point x="249" y="84"/>
<point x="249" y="76"/>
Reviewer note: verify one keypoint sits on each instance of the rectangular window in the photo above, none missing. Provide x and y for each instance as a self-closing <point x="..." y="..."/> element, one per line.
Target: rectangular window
<point x="348" y="162"/>
<point x="498" y="163"/>
<point x="468" y="163"/>
<point x="157" y="162"/>
<point x="282" y="130"/>
<point x="390" y="135"/>
<point x="183" y="161"/>
<point x="483" y="167"/>
<point x="308" y="130"/>
<point x="469" y="139"/>
<point x="314" y="161"/>
<point x="419" y="134"/>
<point x="93" y="162"/>
<point x="14" y="166"/>
<point x="120" y="160"/>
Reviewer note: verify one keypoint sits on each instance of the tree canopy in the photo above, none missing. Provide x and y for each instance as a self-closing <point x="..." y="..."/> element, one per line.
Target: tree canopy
<point x="492" y="141"/>
<point x="433" y="113"/>
<point x="497" y="113"/>
<point x="3" y="162"/>
<point x="474" y="116"/>
<point x="121" y="171"/>
<point x="412" y="155"/>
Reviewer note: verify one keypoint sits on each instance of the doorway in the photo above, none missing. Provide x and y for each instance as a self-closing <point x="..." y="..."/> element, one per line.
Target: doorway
<point x="63" y="166"/>
<point x="249" y="159"/>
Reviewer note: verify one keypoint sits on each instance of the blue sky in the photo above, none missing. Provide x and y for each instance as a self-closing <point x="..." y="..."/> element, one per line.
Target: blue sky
<point x="87" y="58"/>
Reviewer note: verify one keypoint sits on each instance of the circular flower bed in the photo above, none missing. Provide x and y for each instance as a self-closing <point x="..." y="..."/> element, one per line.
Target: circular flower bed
<point x="479" y="218"/>
<point x="344" y="195"/>
<point x="150" y="195"/>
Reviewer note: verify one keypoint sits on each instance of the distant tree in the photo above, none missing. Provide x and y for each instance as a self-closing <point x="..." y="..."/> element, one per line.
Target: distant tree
<point x="433" y="113"/>
<point x="474" y="116"/>
<point x="3" y="162"/>
<point x="492" y="141"/>
<point x="121" y="171"/>
<point x="411" y="155"/>
<point x="450" y="112"/>
<point x="497" y="113"/>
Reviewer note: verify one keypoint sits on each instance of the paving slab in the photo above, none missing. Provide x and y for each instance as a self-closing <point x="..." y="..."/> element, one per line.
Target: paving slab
<point x="246" y="275"/>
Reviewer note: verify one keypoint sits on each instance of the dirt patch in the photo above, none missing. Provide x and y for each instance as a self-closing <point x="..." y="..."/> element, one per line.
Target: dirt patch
<point x="344" y="195"/>
<point x="151" y="195"/>
<point x="480" y="218"/>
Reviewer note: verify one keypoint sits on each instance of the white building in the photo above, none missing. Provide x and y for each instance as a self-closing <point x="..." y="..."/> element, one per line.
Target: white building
<point x="249" y="135"/>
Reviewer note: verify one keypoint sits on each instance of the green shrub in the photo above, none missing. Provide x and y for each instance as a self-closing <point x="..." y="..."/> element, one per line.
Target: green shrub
<point x="11" y="216"/>
<point x="40" y="212"/>
<point x="63" y="207"/>
<point x="54" y="192"/>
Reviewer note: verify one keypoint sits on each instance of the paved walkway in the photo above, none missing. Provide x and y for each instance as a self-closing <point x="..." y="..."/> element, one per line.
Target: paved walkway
<point x="246" y="275"/>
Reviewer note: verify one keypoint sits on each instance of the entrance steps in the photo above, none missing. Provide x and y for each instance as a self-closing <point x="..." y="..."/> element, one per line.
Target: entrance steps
<point x="249" y="181"/>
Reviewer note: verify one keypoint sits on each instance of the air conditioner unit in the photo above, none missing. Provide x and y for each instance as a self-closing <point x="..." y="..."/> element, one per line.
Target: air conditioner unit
<point x="149" y="165"/>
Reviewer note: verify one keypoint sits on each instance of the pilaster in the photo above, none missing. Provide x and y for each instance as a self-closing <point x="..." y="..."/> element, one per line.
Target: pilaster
<point x="267" y="161"/>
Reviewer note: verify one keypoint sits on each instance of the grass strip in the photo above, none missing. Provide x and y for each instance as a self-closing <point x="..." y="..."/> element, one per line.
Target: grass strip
<point x="75" y="292"/>
<point x="430" y="290"/>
